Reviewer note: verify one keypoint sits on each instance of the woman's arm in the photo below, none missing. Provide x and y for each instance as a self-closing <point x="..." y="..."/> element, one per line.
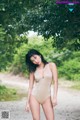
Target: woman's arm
<point x="31" y="82"/>
<point x="55" y="78"/>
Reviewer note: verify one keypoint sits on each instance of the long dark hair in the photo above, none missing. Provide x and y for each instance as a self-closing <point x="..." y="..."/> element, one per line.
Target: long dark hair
<point x="31" y="66"/>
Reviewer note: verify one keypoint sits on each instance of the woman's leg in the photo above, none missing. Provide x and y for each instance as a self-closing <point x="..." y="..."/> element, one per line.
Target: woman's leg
<point x="48" y="109"/>
<point x="35" y="108"/>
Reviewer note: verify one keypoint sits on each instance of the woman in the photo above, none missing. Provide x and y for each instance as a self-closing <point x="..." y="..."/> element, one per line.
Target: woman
<point x="42" y="73"/>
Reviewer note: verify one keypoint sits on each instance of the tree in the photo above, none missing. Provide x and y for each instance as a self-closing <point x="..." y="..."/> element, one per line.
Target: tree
<point x="44" y="16"/>
<point x="51" y="19"/>
<point x="9" y="46"/>
<point x="11" y="26"/>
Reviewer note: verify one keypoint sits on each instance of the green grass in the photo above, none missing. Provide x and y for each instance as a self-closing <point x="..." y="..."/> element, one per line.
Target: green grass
<point x="8" y="94"/>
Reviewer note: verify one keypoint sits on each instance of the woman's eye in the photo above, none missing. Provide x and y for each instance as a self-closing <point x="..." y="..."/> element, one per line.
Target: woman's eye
<point x="34" y="57"/>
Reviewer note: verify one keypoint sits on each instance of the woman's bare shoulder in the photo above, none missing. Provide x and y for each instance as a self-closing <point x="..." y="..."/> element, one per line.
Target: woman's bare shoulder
<point x="53" y="67"/>
<point x="52" y="64"/>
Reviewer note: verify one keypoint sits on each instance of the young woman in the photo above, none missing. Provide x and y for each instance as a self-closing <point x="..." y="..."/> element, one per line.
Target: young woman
<point x="42" y="73"/>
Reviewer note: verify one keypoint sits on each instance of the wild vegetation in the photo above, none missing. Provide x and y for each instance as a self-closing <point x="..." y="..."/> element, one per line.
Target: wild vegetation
<point x="67" y="61"/>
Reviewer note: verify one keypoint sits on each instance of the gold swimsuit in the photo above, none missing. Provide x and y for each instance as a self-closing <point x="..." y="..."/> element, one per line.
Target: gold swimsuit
<point x="42" y="87"/>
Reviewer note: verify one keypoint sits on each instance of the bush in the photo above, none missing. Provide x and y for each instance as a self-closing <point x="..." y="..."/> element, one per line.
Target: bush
<point x="7" y="93"/>
<point x="71" y="68"/>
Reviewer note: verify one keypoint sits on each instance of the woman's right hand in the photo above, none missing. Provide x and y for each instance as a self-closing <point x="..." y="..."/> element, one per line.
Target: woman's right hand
<point x="27" y="108"/>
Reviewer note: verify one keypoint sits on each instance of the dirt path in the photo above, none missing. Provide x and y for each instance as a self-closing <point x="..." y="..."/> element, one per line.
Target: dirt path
<point x="68" y="107"/>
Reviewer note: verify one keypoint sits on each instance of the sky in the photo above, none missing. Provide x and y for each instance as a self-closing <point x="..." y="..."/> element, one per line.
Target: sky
<point x="31" y="33"/>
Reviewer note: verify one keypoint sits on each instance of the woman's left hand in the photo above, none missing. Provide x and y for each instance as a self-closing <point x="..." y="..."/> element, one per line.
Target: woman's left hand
<point x="54" y="101"/>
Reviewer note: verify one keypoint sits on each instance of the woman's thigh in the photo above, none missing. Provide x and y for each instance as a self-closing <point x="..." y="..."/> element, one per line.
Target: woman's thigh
<point x="48" y="109"/>
<point x="35" y="108"/>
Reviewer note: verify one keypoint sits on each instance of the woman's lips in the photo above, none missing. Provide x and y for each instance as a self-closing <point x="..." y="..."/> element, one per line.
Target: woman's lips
<point x="37" y="63"/>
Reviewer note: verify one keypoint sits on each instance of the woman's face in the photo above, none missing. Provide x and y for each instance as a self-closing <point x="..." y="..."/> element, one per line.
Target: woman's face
<point x="36" y="59"/>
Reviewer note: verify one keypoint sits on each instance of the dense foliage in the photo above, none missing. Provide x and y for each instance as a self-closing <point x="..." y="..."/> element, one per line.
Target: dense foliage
<point x="56" y="23"/>
<point x="44" y="16"/>
<point x="66" y="61"/>
<point x="71" y="68"/>
<point x="51" y="19"/>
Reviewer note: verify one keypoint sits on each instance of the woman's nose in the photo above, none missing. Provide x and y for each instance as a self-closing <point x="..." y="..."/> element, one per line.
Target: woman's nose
<point x="36" y="61"/>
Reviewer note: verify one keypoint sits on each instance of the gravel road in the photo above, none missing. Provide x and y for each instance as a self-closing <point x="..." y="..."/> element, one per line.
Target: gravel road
<point x="68" y="107"/>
